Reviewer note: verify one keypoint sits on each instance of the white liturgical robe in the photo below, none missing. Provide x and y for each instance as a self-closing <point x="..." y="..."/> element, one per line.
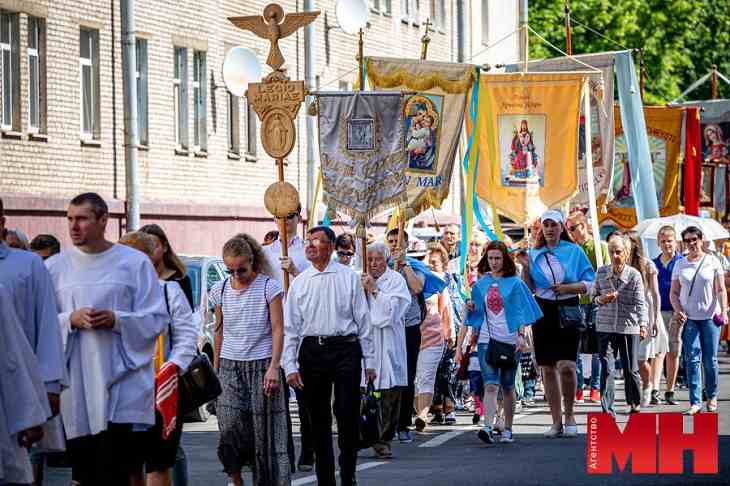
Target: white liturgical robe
<point x="387" y="317"/>
<point x="111" y="376"/>
<point x="23" y="399"/>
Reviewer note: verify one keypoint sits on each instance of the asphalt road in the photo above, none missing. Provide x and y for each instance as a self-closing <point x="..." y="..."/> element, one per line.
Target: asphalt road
<point x="453" y="454"/>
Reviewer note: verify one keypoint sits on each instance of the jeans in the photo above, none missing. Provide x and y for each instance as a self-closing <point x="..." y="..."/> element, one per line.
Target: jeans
<point x="595" y="379"/>
<point x="180" y="469"/>
<point x="700" y="343"/>
<point x="626" y="346"/>
<point x="496" y="376"/>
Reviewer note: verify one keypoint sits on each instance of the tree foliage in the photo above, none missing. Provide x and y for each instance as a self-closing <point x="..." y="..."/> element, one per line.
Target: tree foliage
<point x="681" y="39"/>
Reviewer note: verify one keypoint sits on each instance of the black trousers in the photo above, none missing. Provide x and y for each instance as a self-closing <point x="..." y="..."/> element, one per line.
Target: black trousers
<point x="108" y="457"/>
<point x="306" y="456"/>
<point x="626" y="346"/>
<point x="413" y="345"/>
<point x="322" y="367"/>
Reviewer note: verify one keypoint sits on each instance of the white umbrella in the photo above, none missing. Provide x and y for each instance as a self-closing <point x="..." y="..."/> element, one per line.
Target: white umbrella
<point x="711" y="229"/>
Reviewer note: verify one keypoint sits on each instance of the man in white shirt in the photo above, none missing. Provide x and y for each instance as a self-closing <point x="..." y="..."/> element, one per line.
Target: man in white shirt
<point x="326" y="337"/>
<point x="111" y="310"/>
<point x="31" y="290"/>
<point x="389" y="298"/>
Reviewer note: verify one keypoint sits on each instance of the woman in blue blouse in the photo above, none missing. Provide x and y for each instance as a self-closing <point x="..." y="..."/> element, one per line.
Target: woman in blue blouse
<point x="557" y="270"/>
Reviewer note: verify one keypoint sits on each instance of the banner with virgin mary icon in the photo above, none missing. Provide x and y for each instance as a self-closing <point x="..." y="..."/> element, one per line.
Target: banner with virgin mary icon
<point x="362" y="153"/>
<point x="527" y="130"/>
<point x="432" y="119"/>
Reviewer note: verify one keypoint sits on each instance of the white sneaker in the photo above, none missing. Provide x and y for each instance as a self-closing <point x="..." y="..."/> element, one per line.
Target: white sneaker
<point x="645" y="397"/>
<point x="553" y="433"/>
<point x="507" y="436"/>
<point x="696" y="408"/>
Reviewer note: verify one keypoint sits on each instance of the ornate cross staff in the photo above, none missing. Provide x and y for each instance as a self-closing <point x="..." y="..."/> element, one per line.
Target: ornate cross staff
<point x="426" y="39"/>
<point x="276" y="101"/>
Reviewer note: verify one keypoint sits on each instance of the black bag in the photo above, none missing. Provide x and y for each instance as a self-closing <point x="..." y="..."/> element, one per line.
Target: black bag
<point x="370" y="420"/>
<point x="199" y="384"/>
<point x="571" y="316"/>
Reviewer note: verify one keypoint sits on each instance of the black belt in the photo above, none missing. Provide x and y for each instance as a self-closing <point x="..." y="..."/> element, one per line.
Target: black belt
<point x="323" y="340"/>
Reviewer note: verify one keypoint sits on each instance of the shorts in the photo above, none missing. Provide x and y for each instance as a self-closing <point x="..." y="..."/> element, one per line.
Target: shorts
<point x="497" y="376"/>
<point x="675" y="334"/>
<point x="160" y="454"/>
<point x="108" y="457"/>
<point x="552" y="342"/>
<point x="476" y="383"/>
<point x="426" y="368"/>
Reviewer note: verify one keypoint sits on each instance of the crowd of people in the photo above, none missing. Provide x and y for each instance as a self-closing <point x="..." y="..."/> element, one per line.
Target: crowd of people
<point x="97" y="336"/>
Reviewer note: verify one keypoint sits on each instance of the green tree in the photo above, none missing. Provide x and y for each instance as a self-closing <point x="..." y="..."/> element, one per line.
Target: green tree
<point x="681" y="39"/>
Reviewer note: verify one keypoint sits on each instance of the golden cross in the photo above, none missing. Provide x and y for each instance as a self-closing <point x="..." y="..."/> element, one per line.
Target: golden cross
<point x="426" y="39"/>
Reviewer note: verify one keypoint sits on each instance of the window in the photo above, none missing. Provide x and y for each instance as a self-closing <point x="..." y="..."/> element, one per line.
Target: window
<point x="9" y="71"/>
<point x="142" y="92"/>
<point x="36" y="75"/>
<point x="383" y="6"/>
<point x="234" y="136"/>
<point x="405" y="8"/>
<point x="485" y="22"/>
<point x="89" y="63"/>
<point x="250" y="130"/>
<point x="438" y="12"/>
<point x="200" y="137"/>
<point x="410" y="10"/>
<point x="180" y="95"/>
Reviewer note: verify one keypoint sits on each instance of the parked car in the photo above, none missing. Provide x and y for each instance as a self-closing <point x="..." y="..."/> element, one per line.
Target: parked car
<point x="204" y="273"/>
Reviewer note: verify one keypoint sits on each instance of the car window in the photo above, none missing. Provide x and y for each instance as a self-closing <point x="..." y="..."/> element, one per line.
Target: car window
<point x="215" y="274"/>
<point x="195" y="276"/>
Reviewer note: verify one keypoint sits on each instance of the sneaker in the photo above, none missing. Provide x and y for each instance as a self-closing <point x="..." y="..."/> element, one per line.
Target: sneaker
<point x="571" y="430"/>
<point x="437" y="419"/>
<point x="579" y="396"/>
<point x="595" y="396"/>
<point x="712" y="405"/>
<point x="632" y="409"/>
<point x="450" y="418"/>
<point x="553" y="433"/>
<point x="507" y="436"/>
<point x="475" y="419"/>
<point x="420" y="424"/>
<point x="486" y="435"/>
<point x="696" y="408"/>
<point x="405" y="437"/>
<point x="645" y="397"/>
<point x="383" y="452"/>
<point x="655" y="399"/>
<point x="669" y="398"/>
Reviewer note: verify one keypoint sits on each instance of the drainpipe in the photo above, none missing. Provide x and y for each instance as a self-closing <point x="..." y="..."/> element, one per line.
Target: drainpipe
<point x="309" y="83"/>
<point x="131" y="134"/>
<point x="460" y="31"/>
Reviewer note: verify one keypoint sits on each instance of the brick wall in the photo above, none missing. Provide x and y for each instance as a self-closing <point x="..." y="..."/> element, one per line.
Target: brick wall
<point x="185" y="190"/>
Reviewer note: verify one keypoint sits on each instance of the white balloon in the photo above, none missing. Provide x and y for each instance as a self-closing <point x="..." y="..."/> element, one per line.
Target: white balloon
<point x="240" y="67"/>
<point x="352" y="15"/>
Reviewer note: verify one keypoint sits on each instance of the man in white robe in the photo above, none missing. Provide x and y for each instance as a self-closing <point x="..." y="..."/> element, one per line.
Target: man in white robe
<point x="23" y="398"/>
<point x="389" y="299"/>
<point x="111" y="310"/>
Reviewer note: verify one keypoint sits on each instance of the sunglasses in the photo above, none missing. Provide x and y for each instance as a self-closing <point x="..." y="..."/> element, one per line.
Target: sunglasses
<point x="291" y="216"/>
<point x="238" y="271"/>
<point x="574" y="227"/>
<point x="345" y="253"/>
<point x="690" y="240"/>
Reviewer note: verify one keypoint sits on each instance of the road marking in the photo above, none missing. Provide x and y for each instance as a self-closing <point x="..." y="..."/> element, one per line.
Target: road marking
<point x="313" y="478"/>
<point x="440" y="439"/>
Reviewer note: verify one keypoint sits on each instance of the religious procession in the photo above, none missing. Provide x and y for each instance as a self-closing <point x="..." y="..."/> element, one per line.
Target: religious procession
<point x="485" y="258"/>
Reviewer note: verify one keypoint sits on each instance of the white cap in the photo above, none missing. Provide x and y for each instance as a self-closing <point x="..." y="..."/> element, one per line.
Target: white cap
<point x="552" y="214"/>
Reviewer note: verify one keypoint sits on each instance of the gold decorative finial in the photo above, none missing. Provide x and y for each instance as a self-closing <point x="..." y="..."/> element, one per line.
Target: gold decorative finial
<point x="426" y="39"/>
<point x="273" y="25"/>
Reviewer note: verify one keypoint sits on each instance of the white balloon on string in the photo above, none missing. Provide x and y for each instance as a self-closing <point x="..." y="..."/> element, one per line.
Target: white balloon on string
<point x="240" y="67"/>
<point x="352" y="15"/>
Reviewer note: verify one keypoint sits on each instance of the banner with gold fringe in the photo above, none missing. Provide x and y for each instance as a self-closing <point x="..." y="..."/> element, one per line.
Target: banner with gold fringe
<point x="432" y="121"/>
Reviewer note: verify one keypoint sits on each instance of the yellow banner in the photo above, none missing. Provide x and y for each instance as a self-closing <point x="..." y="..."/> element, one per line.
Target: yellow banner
<point x="664" y="126"/>
<point x="528" y="141"/>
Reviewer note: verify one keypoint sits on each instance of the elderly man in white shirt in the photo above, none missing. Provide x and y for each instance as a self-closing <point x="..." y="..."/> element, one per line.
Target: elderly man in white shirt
<point x="389" y="299"/>
<point x="111" y="311"/>
<point x="326" y="337"/>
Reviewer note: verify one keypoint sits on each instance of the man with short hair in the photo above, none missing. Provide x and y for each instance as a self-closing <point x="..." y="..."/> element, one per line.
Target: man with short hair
<point x="345" y="248"/>
<point x="45" y="246"/>
<point x="450" y="241"/>
<point x="412" y="318"/>
<point x="389" y="298"/>
<point x="111" y="311"/>
<point x="579" y="229"/>
<point x="326" y="337"/>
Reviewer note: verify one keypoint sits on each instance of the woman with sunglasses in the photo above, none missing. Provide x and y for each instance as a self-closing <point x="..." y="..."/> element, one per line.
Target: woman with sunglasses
<point x="252" y="410"/>
<point x="700" y="304"/>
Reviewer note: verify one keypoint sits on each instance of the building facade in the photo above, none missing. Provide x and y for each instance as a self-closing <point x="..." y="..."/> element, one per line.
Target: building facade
<point x="202" y="169"/>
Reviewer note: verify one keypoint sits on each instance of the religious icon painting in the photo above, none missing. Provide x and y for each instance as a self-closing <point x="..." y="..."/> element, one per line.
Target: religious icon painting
<point x="421" y="126"/>
<point x="716" y="143"/>
<point x="360" y="134"/>
<point x="522" y="149"/>
<point x="707" y="186"/>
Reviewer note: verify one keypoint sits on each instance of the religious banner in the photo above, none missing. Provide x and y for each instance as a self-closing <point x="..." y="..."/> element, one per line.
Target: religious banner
<point x="527" y="129"/>
<point x="664" y="127"/>
<point x="602" y="120"/>
<point x="362" y="153"/>
<point x="432" y="120"/>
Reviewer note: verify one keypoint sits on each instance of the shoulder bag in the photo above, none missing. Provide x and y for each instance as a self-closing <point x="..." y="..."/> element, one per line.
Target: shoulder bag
<point x="499" y="355"/>
<point x="199" y="384"/>
<point x="571" y="316"/>
<point x="717" y="318"/>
